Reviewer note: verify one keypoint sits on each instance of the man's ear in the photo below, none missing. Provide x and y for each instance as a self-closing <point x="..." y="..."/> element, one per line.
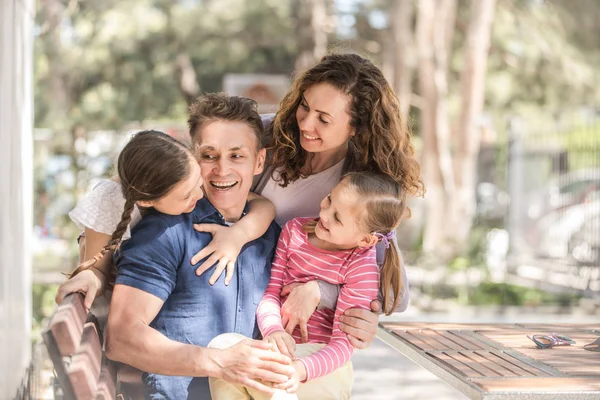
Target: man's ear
<point x="260" y="161"/>
<point x="368" y="241"/>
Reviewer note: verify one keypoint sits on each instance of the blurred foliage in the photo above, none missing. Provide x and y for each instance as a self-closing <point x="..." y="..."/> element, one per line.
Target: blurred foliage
<point x="42" y="306"/>
<point x="488" y="293"/>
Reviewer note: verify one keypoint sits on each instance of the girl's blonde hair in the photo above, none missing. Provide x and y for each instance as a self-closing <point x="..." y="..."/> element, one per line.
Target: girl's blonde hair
<point x="149" y="167"/>
<point x="382" y="208"/>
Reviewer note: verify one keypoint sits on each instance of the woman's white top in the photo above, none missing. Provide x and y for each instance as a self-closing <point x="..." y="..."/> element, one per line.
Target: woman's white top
<point x="101" y="209"/>
<point x="302" y="198"/>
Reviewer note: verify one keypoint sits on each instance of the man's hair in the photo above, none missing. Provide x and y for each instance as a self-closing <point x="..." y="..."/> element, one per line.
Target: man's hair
<point x="213" y="107"/>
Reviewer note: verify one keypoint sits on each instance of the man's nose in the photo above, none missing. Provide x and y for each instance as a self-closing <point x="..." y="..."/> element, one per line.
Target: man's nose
<point x="221" y="167"/>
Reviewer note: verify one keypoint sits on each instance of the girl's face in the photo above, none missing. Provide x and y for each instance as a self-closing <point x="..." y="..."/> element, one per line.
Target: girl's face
<point x="184" y="195"/>
<point x="323" y="120"/>
<point x="339" y="220"/>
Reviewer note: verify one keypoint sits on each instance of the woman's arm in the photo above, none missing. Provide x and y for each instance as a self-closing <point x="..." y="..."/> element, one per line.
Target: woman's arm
<point x="227" y="242"/>
<point x="92" y="282"/>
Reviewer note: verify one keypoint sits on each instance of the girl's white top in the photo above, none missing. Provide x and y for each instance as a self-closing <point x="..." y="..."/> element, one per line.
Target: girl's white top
<point x="101" y="209"/>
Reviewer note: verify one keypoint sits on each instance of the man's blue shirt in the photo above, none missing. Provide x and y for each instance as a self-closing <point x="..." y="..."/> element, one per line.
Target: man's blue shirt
<point x="157" y="260"/>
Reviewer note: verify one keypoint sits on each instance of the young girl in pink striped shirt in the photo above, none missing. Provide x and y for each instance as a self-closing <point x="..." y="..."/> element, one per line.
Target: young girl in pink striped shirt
<point x="338" y="247"/>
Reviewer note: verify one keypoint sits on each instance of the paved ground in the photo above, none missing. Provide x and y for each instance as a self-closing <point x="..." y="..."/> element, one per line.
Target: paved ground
<point x="381" y="373"/>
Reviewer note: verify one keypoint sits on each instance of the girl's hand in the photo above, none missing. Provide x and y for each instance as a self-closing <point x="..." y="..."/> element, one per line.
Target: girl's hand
<point x="224" y="248"/>
<point x="285" y="343"/>
<point x="291" y="386"/>
<point x="361" y="325"/>
<point x="301" y="303"/>
<point x="87" y="282"/>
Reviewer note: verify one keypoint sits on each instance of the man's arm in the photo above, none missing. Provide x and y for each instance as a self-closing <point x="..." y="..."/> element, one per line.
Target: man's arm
<point x="131" y="340"/>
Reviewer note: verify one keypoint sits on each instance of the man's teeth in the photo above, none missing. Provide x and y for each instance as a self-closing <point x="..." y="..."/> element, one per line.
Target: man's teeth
<point x="309" y="137"/>
<point x="223" y="185"/>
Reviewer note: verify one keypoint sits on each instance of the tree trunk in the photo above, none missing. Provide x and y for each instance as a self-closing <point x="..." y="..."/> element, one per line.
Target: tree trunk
<point x="311" y="31"/>
<point x="434" y="24"/>
<point x="405" y="57"/>
<point x="472" y="102"/>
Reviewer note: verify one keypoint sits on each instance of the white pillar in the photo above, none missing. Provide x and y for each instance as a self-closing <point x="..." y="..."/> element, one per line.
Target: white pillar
<point x="16" y="190"/>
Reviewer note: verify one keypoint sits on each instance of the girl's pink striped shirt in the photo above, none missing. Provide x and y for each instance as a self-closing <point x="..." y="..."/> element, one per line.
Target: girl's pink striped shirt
<point x="297" y="260"/>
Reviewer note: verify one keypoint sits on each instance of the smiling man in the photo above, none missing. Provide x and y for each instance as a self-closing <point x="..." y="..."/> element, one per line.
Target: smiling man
<point x="163" y="315"/>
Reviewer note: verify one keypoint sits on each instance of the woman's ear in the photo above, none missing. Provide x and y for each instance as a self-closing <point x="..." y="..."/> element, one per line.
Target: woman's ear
<point x="145" y="204"/>
<point x="368" y="241"/>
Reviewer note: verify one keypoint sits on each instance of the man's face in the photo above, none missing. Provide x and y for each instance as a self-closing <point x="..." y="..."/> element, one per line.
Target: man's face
<point x="228" y="160"/>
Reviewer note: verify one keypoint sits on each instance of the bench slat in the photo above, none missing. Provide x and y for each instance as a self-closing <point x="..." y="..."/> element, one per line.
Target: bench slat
<point x="67" y="324"/>
<point x="107" y="389"/>
<point x="84" y="369"/>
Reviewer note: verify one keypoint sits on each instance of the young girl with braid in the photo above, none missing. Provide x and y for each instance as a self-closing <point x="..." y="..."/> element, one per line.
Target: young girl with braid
<point x="338" y="247"/>
<point x="154" y="170"/>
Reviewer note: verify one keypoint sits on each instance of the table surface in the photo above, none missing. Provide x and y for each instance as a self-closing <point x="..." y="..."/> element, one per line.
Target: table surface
<point x="498" y="361"/>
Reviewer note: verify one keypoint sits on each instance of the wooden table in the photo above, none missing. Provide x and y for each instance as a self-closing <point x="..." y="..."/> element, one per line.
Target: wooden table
<point x="498" y="361"/>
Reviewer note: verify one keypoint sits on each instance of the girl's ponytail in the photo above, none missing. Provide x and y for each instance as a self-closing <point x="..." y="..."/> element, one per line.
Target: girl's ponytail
<point x="390" y="281"/>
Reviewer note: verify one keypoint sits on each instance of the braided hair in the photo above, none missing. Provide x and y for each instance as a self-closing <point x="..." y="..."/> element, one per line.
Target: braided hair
<point x="149" y="167"/>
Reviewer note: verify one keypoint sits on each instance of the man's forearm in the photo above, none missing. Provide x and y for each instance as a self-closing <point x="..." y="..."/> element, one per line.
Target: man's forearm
<point x="143" y="347"/>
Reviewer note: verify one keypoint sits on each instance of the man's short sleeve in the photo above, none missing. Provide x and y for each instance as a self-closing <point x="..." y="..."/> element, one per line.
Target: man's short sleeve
<point x="150" y="259"/>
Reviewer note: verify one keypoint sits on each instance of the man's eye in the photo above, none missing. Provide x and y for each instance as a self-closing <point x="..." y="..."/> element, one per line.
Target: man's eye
<point x="237" y="156"/>
<point x="207" y="157"/>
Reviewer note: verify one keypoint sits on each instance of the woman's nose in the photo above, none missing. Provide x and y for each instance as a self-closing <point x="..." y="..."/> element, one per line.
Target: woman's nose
<point x="306" y="123"/>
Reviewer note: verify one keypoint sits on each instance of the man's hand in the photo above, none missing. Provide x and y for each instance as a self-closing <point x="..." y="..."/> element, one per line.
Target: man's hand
<point x="285" y="343"/>
<point x="87" y="282"/>
<point x="300" y="304"/>
<point x="224" y="248"/>
<point x="291" y="386"/>
<point x="361" y="325"/>
<point x="253" y="363"/>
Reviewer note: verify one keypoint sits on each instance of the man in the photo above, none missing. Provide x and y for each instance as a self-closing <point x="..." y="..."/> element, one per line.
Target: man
<point x="162" y="314"/>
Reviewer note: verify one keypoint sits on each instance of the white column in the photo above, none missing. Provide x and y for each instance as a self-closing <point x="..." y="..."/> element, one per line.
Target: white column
<point x="16" y="190"/>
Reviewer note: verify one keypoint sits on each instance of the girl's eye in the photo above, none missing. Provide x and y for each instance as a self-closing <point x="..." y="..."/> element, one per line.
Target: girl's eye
<point x="305" y="106"/>
<point x="329" y="198"/>
<point x="323" y="121"/>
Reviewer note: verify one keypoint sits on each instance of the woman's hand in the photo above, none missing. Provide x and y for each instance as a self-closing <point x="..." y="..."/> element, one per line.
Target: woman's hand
<point x="252" y="363"/>
<point x="88" y="282"/>
<point x="224" y="248"/>
<point x="284" y="341"/>
<point x="361" y="325"/>
<point x="301" y="303"/>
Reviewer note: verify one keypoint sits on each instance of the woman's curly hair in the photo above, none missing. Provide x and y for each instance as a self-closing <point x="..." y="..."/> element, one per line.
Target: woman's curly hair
<point x="381" y="142"/>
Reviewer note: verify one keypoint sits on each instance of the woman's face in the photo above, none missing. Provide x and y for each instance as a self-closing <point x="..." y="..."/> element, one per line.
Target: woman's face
<point x="323" y="120"/>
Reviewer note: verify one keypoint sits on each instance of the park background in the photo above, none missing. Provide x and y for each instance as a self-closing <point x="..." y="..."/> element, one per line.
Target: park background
<point x="501" y="97"/>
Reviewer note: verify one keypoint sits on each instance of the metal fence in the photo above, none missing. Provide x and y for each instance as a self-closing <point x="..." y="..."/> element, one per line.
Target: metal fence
<point x="553" y="215"/>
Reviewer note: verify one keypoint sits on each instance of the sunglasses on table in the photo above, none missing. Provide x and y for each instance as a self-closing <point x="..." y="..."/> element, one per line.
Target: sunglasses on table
<point x="549" y="341"/>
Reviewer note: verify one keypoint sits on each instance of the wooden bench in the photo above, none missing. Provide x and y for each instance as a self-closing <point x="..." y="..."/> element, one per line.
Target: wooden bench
<point x="74" y="342"/>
